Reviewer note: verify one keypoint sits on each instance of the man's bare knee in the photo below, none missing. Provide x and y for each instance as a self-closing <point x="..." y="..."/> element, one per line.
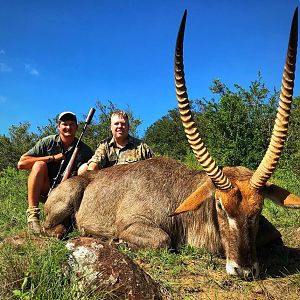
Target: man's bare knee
<point x="39" y="166"/>
<point x="38" y="178"/>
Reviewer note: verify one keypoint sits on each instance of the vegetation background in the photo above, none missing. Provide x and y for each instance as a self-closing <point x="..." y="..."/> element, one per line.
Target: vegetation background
<point x="236" y="127"/>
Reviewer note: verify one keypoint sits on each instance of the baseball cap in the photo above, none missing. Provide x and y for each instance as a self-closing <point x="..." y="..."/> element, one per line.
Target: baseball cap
<point x="67" y="115"/>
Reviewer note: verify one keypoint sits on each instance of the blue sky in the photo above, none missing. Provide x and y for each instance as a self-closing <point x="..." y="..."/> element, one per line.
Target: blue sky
<point x="66" y="55"/>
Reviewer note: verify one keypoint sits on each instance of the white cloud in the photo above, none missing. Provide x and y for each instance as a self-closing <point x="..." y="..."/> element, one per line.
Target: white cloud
<point x="3" y="99"/>
<point x="2" y="51"/>
<point x="5" y="68"/>
<point x="31" y="70"/>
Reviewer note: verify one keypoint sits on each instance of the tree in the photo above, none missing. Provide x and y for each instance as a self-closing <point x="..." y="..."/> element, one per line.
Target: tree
<point x="291" y="155"/>
<point x="237" y="127"/>
<point x="166" y="136"/>
<point x="49" y="129"/>
<point x="18" y="141"/>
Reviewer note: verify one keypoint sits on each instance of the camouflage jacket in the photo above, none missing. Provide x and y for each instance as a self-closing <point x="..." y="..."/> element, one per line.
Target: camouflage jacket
<point x="108" y="154"/>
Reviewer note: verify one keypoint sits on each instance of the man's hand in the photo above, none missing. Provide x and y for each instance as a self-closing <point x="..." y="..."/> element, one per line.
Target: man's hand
<point x="58" y="157"/>
<point x="92" y="166"/>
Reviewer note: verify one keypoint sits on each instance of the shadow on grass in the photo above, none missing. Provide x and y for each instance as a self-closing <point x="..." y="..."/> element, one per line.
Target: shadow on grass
<point x="279" y="261"/>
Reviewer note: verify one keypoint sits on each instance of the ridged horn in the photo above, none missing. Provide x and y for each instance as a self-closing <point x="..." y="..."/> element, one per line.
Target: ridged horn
<point x="190" y="128"/>
<point x="280" y="130"/>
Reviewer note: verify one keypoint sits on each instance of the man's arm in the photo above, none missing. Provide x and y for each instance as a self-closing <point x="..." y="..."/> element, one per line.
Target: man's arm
<point x="146" y="151"/>
<point x="27" y="161"/>
<point x="99" y="159"/>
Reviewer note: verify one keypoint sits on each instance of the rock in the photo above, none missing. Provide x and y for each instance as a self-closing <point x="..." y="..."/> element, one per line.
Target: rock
<point x="101" y="269"/>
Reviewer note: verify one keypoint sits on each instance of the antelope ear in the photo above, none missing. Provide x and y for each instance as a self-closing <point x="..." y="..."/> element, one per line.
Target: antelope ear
<point x="193" y="201"/>
<point x="281" y="196"/>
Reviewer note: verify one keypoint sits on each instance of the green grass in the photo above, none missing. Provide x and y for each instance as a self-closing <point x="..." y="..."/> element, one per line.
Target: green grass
<point x="171" y="263"/>
<point x="13" y="201"/>
<point x="284" y="217"/>
<point x="33" y="269"/>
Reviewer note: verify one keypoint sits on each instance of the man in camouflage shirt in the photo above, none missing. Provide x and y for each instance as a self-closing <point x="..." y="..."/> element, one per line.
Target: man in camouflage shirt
<point x="121" y="148"/>
<point x="45" y="159"/>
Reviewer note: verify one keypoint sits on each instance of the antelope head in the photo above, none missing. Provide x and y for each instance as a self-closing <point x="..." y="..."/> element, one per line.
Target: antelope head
<point x="239" y="192"/>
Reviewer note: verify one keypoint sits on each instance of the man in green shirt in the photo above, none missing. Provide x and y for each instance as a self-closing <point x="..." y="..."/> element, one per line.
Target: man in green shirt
<point x="49" y="156"/>
<point x="121" y="148"/>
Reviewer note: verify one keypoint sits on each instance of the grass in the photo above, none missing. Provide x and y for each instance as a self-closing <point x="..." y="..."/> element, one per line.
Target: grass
<point x="279" y="216"/>
<point x="31" y="268"/>
<point x="13" y="203"/>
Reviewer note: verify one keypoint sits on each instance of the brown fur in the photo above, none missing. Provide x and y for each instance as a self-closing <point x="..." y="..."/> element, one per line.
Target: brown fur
<point x="133" y="202"/>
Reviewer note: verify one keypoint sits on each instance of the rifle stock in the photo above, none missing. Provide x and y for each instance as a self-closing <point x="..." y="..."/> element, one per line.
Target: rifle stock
<point x="70" y="164"/>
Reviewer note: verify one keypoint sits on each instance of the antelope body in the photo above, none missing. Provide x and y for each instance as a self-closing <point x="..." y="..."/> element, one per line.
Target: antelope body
<point x="218" y="209"/>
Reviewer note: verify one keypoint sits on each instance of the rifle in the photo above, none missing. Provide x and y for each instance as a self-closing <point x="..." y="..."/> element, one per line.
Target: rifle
<point x="75" y="152"/>
<point x="71" y="162"/>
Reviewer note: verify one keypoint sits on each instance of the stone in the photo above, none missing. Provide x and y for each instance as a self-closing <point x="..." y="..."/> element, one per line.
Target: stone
<point x="101" y="269"/>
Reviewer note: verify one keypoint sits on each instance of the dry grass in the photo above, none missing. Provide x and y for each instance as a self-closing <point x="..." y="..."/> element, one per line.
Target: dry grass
<point x="202" y="276"/>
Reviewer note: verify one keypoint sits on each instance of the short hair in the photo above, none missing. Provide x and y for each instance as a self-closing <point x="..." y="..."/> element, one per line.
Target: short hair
<point x="120" y="113"/>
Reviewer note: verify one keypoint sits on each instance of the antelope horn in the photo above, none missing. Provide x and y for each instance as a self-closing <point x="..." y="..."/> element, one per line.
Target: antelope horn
<point x="279" y="134"/>
<point x="190" y="128"/>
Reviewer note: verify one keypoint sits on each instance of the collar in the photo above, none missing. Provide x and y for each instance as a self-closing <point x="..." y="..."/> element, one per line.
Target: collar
<point x="112" y="141"/>
<point x="59" y="141"/>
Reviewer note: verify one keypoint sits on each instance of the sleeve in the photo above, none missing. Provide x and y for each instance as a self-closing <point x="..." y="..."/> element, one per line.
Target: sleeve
<point x="39" y="149"/>
<point x="100" y="157"/>
<point x="146" y="151"/>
